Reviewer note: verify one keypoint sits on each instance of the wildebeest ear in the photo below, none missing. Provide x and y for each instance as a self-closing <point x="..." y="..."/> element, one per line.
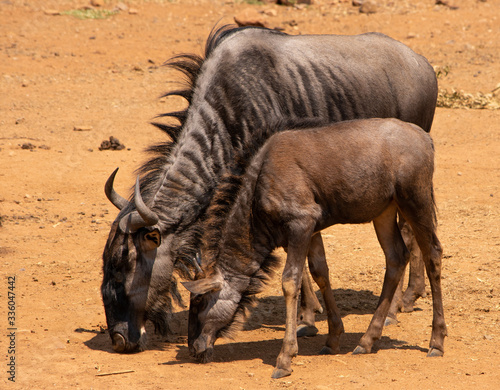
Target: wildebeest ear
<point x="152" y="239"/>
<point x="204" y="285"/>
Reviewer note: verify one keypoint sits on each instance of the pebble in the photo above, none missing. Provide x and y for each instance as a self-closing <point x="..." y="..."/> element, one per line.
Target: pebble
<point x="112" y="144"/>
<point x="28" y="146"/>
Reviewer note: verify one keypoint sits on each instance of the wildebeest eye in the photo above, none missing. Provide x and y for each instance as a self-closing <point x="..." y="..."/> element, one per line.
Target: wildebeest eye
<point x="197" y="299"/>
<point x="154" y="236"/>
<point x="151" y="239"/>
<point x="118" y="277"/>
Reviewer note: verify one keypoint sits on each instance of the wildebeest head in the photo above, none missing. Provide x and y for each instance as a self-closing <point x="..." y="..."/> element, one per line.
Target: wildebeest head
<point x="216" y="304"/>
<point x="136" y="245"/>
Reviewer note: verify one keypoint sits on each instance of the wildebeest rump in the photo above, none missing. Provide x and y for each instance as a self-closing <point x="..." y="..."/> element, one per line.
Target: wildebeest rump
<point x="299" y="183"/>
<point x="249" y="79"/>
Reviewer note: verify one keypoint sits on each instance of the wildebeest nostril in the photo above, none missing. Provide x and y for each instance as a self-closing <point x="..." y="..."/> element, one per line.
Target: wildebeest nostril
<point x="119" y="343"/>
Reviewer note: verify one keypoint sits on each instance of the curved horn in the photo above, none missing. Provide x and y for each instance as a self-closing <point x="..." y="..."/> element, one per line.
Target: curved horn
<point x="117" y="200"/>
<point x="140" y="218"/>
<point x="131" y="222"/>
<point x="149" y="217"/>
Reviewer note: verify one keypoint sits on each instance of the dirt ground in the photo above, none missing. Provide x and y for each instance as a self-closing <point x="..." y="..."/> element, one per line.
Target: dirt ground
<point x="68" y="84"/>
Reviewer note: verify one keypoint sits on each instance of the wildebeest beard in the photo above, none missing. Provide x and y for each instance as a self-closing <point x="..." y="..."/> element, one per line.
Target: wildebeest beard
<point x="161" y="296"/>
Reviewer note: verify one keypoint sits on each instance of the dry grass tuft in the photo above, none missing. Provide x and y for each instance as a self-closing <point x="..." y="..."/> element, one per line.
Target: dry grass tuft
<point x="460" y="99"/>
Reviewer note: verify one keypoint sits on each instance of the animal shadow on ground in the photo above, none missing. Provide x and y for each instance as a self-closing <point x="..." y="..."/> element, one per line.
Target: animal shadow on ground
<point x="178" y="334"/>
<point x="268" y="350"/>
<point x="268" y="313"/>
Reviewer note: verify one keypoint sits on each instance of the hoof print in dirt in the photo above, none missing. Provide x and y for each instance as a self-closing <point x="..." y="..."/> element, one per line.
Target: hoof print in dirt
<point x="112" y="144"/>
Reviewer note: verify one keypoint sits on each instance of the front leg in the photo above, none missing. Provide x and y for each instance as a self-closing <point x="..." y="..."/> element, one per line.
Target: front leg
<point x="290" y="347"/>
<point x="291" y="279"/>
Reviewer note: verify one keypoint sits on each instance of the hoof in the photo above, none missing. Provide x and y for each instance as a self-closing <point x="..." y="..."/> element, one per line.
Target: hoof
<point x="407" y="308"/>
<point x="206" y="356"/>
<point x="359" y="351"/>
<point x="329" y="351"/>
<point x="119" y="343"/>
<point x="434" y="352"/>
<point x="280" y="373"/>
<point x="306" y="331"/>
<point x="390" y="321"/>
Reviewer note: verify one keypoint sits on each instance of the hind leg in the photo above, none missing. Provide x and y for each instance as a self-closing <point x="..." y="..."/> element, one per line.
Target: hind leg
<point x="404" y="302"/>
<point x="416" y="278"/>
<point x="423" y="224"/>
<point x="396" y="256"/>
<point x="396" y="304"/>
<point x="309" y="306"/>
<point x="432" y="256"/>
<point x="320" y="273"/>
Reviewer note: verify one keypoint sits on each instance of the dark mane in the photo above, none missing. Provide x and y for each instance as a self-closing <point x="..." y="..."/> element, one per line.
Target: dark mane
<point x="224" y="199"/>
<point x="190" y="66"/>
<point x="232" y="181"/>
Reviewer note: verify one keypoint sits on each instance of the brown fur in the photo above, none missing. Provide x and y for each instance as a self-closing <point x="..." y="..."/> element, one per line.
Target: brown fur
<point x="298" y="184"/>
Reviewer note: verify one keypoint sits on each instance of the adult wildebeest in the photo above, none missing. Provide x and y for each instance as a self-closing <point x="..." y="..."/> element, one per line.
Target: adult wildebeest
<point x="299" y="183"/>
<point x="250" y="78"/>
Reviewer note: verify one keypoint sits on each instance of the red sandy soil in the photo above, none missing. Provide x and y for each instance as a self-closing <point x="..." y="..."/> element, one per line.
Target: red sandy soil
<point x="59" y="72"/>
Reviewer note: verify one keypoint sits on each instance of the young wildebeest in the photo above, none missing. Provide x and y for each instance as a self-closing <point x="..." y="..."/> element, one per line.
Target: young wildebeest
<point x="299" y="183"/>
<point x="249" y="79"/>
